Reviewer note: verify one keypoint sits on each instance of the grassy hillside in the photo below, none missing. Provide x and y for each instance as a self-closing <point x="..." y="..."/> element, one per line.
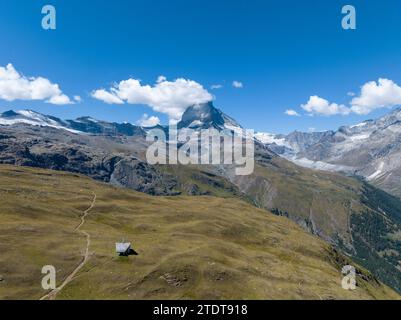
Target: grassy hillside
<point x="188" y="247"/>
<point x="322" y="201"/>
<point x="358" y="218"/>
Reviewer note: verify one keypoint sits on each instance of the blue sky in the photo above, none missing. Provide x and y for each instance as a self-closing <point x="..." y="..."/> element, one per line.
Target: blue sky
<point x="282" y="52"/>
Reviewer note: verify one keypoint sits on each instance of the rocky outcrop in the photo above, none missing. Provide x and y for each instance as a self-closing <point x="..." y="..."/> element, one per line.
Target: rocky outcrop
<point x="120" y="169"/>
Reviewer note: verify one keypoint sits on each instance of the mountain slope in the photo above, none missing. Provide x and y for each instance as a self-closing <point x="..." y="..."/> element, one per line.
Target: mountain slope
<point x="188" y="247"/>
<point x="326" y="204"/>
<point x="334" y="207"/>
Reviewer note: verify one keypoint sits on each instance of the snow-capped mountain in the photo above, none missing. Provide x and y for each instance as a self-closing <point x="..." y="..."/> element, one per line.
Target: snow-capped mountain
<point x="200" y="116"/>
<point x="371" y="149"/>
<point x="196" y="117"/>
<point x="271" y="138"/>
<point x="32" y="118"/>
<point x="81" y="125"/>
<point x="205" y="116"/>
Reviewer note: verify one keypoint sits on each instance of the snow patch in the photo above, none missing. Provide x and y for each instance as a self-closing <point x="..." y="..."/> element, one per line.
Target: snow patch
<point x="34" y="119"/>
<point x="377" y="173"/>
<point x="195" y="123"/>
<point x="359" y="125"/>
<point x="270" y="138"/>
<point x="319" y="165"/>
<point x="359" y="137"/>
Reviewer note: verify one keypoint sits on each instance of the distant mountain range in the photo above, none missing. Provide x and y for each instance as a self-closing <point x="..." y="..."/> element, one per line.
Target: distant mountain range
<point x="196" y="117"/>
<point x="359" y="219"/>
<point x="370" y="149"/>
<point x="79" y="125"/>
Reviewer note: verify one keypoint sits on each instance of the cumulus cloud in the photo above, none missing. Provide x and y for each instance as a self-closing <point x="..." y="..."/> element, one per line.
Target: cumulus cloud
<point x="384" y="93"/>
<point x="168" y="97"/>
<point x="107" y="97"/>
<point x="77" y="98"/>
<point x="291" y="113"/>
<point x="15" y="86"/>
<point x="320" y="106"/>
<point x="237" y="84"/>
<point x="147" y="121"/>
<point x="216" y="86"/>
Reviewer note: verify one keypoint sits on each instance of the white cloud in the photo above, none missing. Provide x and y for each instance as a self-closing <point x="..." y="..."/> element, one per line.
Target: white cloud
<point x="237" y="84"/>
<point x="216" y="86"/>
<point x="147" y="121"/>
<point x="320" y="106"/>
<point x="77" y="98"/>
<point x="15" y="86"/>
<point x="292" y="113"/>
<point x="107" y="97"/>
<point x="161" y="79"/>
<point x="59" y="99"/>
<point x="169" y="97"/>
<point x="311" y="129"/>
<point x="374" y="95"/>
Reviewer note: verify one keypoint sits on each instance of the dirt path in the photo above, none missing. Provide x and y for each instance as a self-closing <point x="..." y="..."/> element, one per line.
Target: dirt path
<point x="53" y="294"/>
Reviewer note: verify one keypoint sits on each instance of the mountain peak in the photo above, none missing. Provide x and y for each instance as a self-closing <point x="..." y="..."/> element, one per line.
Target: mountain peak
<point x="201" y="116"/>
<point x="205" y="116"/>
